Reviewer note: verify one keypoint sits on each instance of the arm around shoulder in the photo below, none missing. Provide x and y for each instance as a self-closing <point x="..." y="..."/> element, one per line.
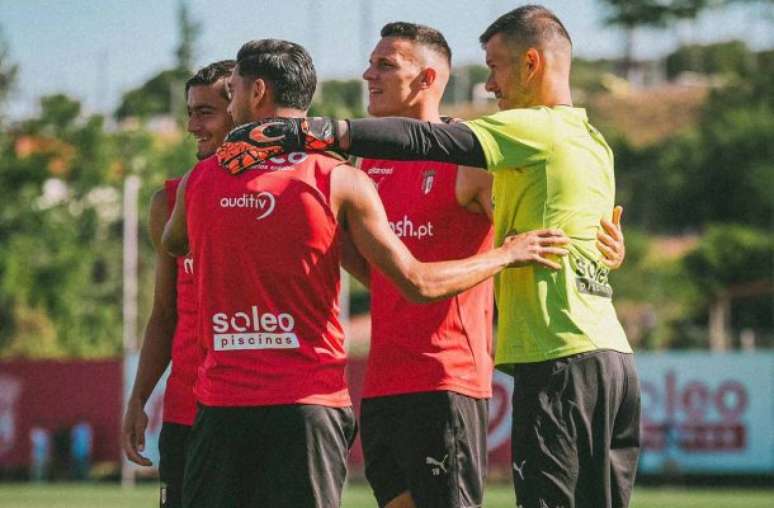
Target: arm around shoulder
<point x="357" y="200"/>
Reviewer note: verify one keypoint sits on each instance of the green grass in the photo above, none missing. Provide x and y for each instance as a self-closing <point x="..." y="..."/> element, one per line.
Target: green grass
<point x="358" y="495"/>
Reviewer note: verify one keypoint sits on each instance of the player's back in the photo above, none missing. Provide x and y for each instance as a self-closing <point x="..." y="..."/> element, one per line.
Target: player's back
<point x="552" y="168"/>
<point x="266" y="250"/>
<point x="444" y="345"/>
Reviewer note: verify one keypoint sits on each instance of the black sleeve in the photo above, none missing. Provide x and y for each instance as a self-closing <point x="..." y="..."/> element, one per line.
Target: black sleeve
<point x="408" y="139"/>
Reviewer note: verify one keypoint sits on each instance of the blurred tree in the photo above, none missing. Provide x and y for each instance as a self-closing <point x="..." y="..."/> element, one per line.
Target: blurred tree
<point x="8" y="71"/>
<point x="155" y="97"/>
<point x="461" y="82"/>
<point x="189" y="30"/>
<point x="340" y="98"/>
<point x="722" y="170"/>
<point x="731" y="255"/>
<point x="633" y="14"/>
<point x="61" y="261"/>
<point x="732" y="263"/>
<point x="57" y="230"/>
<point x="164" y="92"/>
<point x="730" y="59"/>
<point x="588" y="75"/>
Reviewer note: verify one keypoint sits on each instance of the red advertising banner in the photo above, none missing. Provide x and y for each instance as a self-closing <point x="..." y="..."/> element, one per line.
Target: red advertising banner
<point x="54" y="396"/>
<point x="700" y="412"/>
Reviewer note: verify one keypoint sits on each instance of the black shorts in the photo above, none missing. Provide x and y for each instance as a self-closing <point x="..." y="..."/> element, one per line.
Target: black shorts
<point x="292" y="456"/>
<point x="172" y="446"/>
<point x="576" y="431"/>
<point x="431" y="444"/>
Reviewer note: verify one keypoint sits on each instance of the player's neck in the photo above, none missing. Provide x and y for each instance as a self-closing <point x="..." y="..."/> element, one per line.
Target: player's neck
<point x="554" y="92"/>
<point x="278" y="111"/>
<point x="424" y="111"/>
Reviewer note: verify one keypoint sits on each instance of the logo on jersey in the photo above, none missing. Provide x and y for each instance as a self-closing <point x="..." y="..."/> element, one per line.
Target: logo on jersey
<point x="590" y="277"/>
<point x="253" y="330"/>
<point x="264" y="202"/>
<point x="405" y="228"/>
<point x="283" y="162"/>
<point x="428" y="177"/>
<point x="188" y="265"/>
<point x="380" y="171"/>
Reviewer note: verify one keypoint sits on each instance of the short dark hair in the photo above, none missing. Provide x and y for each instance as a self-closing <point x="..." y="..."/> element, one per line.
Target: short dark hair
<point x="285" y="65"/>
<point x="531" y="25"/>
<point x="421" y="34"/>
<point x="210" y="74"/>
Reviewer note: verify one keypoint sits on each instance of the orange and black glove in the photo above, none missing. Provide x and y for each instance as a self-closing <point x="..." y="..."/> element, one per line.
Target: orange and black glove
<point x="253" y="142"/>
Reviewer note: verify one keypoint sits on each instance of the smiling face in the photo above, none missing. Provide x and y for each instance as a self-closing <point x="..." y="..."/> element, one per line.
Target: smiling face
<point x="208" y="118"/>
<point x="393" y="76"/>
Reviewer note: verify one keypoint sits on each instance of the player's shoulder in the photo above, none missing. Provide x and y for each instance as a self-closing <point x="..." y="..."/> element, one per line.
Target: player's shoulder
<point x="203" y="169"/>
<point x="328" y="157"/>
<point x="160" y="206"/>
<point x="207" y="164"/>
<point x="323" y="162"/>
<point x="533" y="127"/>
<point x="344" y="176"/>
<point x="170" y="185"/>
<point x="515" y="117"/>
<point x="160" y="199"/>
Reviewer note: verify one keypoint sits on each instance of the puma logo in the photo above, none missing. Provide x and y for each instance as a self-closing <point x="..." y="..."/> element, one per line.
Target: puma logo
<point x="520" y="469"/>
<point x="439" y="465"/>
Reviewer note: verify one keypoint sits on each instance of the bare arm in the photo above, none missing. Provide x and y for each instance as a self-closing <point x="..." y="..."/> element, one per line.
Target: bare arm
<point x="354" y="262"/>
<point x="175" y="236"/>
<point x="351" y="259"/>
<point x="473" y="189"/>
<point x="356" y="200"/>
<point x="156" y="350"/>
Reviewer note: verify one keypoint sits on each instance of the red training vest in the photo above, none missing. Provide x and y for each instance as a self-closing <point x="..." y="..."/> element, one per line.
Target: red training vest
<point x="267" y="253"/>
<point x="445" y="345"/>
<point x="179" y="400"/>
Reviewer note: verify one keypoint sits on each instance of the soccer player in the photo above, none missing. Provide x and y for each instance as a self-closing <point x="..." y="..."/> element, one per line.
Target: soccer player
<point x="275" y="422"/>
<point x="424" y="431"/>
<point x="171" y="330"/>
<point x="575" y="433"/>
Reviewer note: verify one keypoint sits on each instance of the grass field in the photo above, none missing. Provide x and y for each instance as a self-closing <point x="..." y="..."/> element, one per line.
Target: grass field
<point x="358" y="495"/>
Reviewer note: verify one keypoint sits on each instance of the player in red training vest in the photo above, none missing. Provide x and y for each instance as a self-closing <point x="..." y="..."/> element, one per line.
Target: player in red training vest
<point x="171" y="330"/>
<point x="275" y="420"/>
<point x="424" y="413"/>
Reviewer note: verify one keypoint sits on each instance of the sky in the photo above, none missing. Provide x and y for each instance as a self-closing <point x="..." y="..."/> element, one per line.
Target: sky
<point x="96" y="50"/>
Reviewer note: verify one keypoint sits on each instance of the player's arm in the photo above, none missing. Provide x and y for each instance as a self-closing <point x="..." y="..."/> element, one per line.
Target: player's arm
<point x="474" y="192"/>
<point x="354" y="262"/>
<point x="156" y="348"/>
<point x="410" y="139"/>
<point x="378" y="138"/>
<point x="473" y="189"/>
<point x="357" y="202"/>
<point x="351" y="259"/>
<point x="610" y="240"/>
<point x="175" y="236"/>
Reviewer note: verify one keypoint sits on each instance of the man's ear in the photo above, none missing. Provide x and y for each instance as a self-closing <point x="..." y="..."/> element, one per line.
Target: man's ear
<point x="531" y="64"/>
<point x="428" y="77"/>
<point x="258" y="92"/>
